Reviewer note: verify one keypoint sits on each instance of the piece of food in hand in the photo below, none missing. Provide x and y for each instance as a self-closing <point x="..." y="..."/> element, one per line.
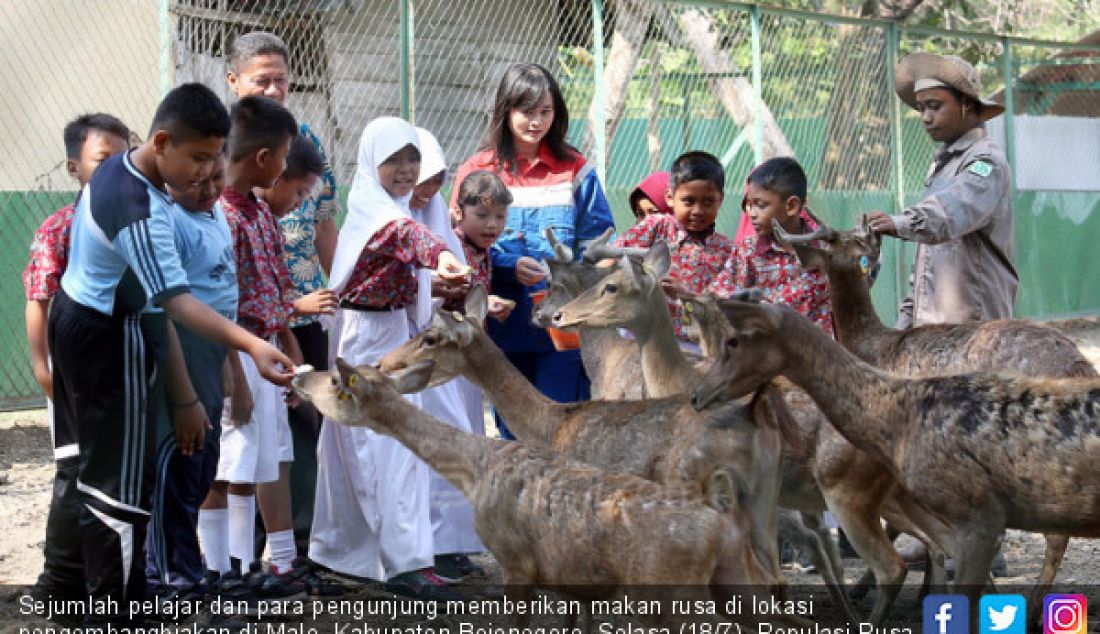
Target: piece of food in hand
<point x="503" y="304"/>
<point x="302" y="369"/>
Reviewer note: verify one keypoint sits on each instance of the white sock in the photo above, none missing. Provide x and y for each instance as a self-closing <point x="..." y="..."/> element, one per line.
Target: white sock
<point x="214" y="537"/>
<point x="242" y="529"/>
<point x="283" y="550"/>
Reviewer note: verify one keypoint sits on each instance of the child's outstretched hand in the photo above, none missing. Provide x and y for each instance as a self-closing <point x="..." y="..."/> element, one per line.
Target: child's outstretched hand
<point x="319" y="302"/>
<point x="450" y="270"/>
<point x="272" y="363"/>
<point x="500" y="308"/>
<point x="528" y="271"/>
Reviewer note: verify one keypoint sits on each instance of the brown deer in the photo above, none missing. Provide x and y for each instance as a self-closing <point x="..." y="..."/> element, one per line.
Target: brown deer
<point x="1019" y="346"/>
<point x="610" y="361"/>
<point x="632" y="297"/>
<point x="663" y="440"/>
<point x="551" y="521"/>
<point x="981" y="452"/>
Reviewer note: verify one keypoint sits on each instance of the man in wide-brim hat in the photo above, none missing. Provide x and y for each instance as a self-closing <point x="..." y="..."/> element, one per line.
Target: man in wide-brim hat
<point x="963" y="223"/>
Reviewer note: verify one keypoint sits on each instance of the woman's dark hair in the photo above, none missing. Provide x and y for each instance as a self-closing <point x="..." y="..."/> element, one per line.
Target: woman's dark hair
<point x="782" y="175"/>
<point x="522" y="87"/>
<point x="483" y="188"/>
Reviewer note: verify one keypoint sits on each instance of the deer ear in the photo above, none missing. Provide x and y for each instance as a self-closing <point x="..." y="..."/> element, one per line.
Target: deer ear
<point x="630" y="276"/>
<point x="747" y="317"/>
<point x="658" y="259"/>
<point x="352" y="381"/>
<point x="811" y="258"/>
<point x="415" y="378"/>
<point x="477" y="304"/>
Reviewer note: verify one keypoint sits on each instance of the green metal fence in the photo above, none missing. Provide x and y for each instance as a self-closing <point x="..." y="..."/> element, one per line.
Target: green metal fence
<point x="644" y="81"/>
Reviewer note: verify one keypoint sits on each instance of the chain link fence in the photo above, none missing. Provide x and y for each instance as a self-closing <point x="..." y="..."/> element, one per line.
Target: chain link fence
<point x="644" y="80"/>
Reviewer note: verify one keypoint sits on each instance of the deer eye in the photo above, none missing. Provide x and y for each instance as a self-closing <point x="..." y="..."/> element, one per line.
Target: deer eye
<point x="611" y="288"/>
<point x="429" y="341"/>
<point x="731" y="342"/>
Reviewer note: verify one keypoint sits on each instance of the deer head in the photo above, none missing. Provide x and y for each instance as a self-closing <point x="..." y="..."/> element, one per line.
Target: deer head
<point x="348" y="394"/>
<point x="704" y="322"/>
<point x="617" y="298"/>
<point x="443" y="342"/>
<point x="751" y="355"/>
<point x="566" y="278"/>
<point x="856" y="251"/>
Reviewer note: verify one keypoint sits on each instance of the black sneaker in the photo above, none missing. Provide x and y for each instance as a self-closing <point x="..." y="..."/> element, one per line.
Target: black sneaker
<point x="422" y="584"/>
<point x="314" y="580"/>
<point x="281" y="586"/>
<point x="468" y="566"/>
<point x="240" y="590"/>
<point x="448" y="568"/>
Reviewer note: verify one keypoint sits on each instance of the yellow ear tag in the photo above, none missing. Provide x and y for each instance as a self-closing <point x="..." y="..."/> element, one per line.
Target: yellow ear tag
<point x="352" y="380"/>
<point x="689" y="307"/>
<point x="457" y="316"/>
<point x="686" y="319"/>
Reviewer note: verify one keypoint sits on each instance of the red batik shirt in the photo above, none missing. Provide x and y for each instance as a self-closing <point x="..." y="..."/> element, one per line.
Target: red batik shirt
<point x="478" y="259"/>
<point x="384" y="276"/>
<point x="697" y="259"/>
<point x="49" y="255"/>
<point x="758" y="261"/>
<point x="266" y="288"/>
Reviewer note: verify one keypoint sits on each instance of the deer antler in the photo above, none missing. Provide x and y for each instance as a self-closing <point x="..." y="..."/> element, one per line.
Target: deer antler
<point x="599" y="249"/>
<point x="821" y="233"/>
<point x="562" y="253"/>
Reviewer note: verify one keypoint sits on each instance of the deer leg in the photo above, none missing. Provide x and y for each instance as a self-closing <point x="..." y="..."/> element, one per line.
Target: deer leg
<point x="860" y="520"/>
<point x="826" y="556"/>
<point x="520" y="588"/>
<point x="977" y="545"/>
<point x="1052" y="560"/>
<point x="867" y="579"/>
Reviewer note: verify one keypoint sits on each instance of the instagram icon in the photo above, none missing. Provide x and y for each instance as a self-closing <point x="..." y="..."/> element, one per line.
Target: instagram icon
<point x="1065" y="614"/>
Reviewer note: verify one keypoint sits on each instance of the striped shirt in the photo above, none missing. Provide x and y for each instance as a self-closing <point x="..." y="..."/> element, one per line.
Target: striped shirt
<point x="123" y="258"/>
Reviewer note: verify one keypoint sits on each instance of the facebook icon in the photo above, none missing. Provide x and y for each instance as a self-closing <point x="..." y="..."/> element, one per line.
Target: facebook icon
<point x="946" y="614"/>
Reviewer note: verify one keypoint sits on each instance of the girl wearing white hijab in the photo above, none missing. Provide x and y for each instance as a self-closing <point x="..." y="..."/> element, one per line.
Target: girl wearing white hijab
<point x="454" y="401"/>
<point x="371" y="515"/>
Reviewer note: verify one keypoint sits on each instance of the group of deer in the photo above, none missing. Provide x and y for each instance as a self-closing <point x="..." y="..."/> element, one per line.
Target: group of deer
<point x="684" y="468"/>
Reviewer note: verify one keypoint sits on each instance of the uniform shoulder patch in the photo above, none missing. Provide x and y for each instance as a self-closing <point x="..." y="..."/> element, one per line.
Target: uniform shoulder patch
<point x="981" y="168"/>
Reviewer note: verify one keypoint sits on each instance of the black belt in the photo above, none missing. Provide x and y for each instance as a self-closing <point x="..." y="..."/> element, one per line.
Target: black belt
<point x="368" y="309"/>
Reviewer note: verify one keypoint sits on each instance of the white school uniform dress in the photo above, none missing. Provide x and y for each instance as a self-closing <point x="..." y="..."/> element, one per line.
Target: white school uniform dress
<point x="371" y="516"/>
<point x="452" y="515"/>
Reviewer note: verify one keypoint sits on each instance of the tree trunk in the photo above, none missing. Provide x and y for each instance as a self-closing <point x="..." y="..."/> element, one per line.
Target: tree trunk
<point x="857" y="139"/>
<point x="653" y="125"/>
<point x="631" y="23"/>
<point x="734" y="93"/>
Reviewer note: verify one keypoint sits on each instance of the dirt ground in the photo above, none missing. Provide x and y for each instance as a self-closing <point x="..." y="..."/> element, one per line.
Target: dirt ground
<point x="26" y="470"/>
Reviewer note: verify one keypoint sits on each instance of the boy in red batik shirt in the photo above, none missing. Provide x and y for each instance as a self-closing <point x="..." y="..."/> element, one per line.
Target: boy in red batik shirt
<point x="695" y="194"/>
<point x="777" y="191"/>
<point x="89" y="140"/>
<point x="255" y="441"/>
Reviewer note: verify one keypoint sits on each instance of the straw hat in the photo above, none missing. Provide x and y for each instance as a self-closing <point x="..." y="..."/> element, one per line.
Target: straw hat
<point x="921" y="71"/>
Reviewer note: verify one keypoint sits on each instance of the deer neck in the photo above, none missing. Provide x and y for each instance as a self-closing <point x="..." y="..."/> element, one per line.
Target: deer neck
<point x="530" y="415"/>
<point x="457" y="456"/>
<point x="665" y="368"/>
<point x="864" y="404"/>
<point x="858" y="326"/>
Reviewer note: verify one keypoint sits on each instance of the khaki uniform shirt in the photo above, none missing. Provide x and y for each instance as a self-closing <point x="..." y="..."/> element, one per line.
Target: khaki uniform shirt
<point x="963" y="270"/>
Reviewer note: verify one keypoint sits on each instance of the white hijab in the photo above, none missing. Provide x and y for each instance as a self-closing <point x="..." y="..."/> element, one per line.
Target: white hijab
<point x="370" y="206"/>
<point x="436" y="218"/>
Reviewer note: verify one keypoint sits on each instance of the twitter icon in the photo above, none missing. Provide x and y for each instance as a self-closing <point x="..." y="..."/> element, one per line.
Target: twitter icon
<point x="1003" y="614"/>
